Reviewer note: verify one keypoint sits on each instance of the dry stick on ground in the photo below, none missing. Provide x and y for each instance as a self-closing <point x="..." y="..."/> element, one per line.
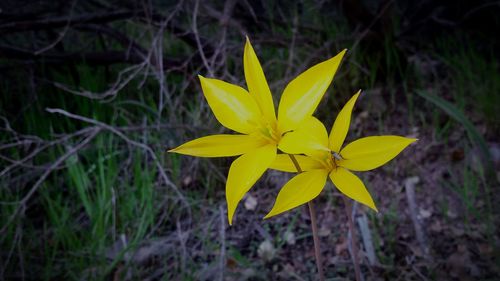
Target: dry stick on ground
<point x="367" y="239"/>
<point x="41" y="179"/>
<point x="182" y="236"/>
<point x="314" y="226"/>
<point x="129" y="141"/>
<point x="222" y="261"/>
<point x="412" y="205"/>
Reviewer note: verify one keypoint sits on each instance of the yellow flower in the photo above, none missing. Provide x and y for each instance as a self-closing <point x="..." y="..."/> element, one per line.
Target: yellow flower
<point x="252" y="114"/>
<point x="324" y="157"/>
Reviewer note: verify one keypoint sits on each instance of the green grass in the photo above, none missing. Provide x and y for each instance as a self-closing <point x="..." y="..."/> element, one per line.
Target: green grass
<point x="92" y="209"/>
<point x="475" y="78"/>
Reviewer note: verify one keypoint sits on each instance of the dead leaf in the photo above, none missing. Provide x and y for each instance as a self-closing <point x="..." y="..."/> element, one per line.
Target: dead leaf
<point x="451" y="214"/>
<point x="436" y="226"/>
<point x="459" y="262"/>
<point x="289" y="237"/>
<point x="187" y="180"/>
<point x="324" y="231"/>
<point x="342" y="246"/>
<point x="266" y="251"/>
<point x="485" y="249"/>
<point x="457" y="155"/>
<point x="250" y="202"/>
<point x="425" y="213"/>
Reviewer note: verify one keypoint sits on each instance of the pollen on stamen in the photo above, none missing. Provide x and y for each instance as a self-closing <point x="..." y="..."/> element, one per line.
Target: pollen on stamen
<point x="332" y="160"/>
<point x="269" y="133"/>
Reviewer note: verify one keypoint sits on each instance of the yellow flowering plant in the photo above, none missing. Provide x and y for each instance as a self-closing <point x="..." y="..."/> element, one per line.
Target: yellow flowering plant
<point x="324" y="157"/>
<point x="251" y="114"/>
<point x="303" y="140"/>
<point x="319" y="156"/>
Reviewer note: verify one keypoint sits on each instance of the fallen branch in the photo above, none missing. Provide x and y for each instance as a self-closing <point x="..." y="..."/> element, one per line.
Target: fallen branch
<point x="412" y="205"/>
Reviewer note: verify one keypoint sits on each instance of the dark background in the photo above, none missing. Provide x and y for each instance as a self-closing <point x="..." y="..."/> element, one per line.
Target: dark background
<point x="94" y="92"/>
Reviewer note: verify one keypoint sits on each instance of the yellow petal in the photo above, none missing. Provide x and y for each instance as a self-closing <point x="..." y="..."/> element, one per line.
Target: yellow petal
<point x="309" y="138"/>
<point x="341" y="124"/>
<point x="220" y="146"/>
<point x="244" y="172"/>
<point x="371" y="152"/>
<point x="351" y="186"/>
<point x="257" y="84"/>
<point x="300" y="189"/>
<point x="284" y="163"/>
<point x="233" y="107"/>
<point x="303" y="94"/>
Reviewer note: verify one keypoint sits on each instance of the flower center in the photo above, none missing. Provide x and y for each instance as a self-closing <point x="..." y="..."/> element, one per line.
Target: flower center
<point x="269" y="132"/>
<point x="332" y="160"/>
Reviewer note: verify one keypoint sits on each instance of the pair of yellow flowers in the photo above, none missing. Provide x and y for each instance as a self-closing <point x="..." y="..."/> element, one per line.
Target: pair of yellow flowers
<point x="295" y="131"/>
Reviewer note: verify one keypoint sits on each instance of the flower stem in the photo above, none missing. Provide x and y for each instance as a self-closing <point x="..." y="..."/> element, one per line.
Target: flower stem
<point x="317" y="251"/>
<point x="314" y="227"/>
<point x="352" y="229"/>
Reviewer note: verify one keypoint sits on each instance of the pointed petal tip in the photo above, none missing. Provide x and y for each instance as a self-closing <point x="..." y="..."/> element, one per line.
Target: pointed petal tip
<point x="248" y="46"/>
<point x="356" y="95"/>
<point x="411" y="140"/>
<point x="370" y="205"/>
<point x="341" y="53"/>
<point x="175" y="149"/>
<point x="337" y="58"/>
<point x="269" y="215"/>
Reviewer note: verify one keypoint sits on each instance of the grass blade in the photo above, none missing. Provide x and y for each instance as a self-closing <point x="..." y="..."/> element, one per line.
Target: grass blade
<point x="474" y="136"/>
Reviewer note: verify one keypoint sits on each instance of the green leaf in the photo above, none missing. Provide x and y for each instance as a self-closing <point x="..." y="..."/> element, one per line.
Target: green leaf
<point x="474" y="136"/>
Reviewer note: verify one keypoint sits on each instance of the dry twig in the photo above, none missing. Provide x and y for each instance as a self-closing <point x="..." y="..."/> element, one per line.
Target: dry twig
<point x="41" y="179"/>
<point x="129" y="141"/>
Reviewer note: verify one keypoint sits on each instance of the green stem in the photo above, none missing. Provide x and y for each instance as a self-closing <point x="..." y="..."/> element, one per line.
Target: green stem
<point x="314" y="227"/>
<point x="354" y="247"/>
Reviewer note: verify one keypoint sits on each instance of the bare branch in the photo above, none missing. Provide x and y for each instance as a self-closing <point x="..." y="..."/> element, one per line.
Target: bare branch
<point x="41" y="179"/>
<point x="126" y="139"/>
